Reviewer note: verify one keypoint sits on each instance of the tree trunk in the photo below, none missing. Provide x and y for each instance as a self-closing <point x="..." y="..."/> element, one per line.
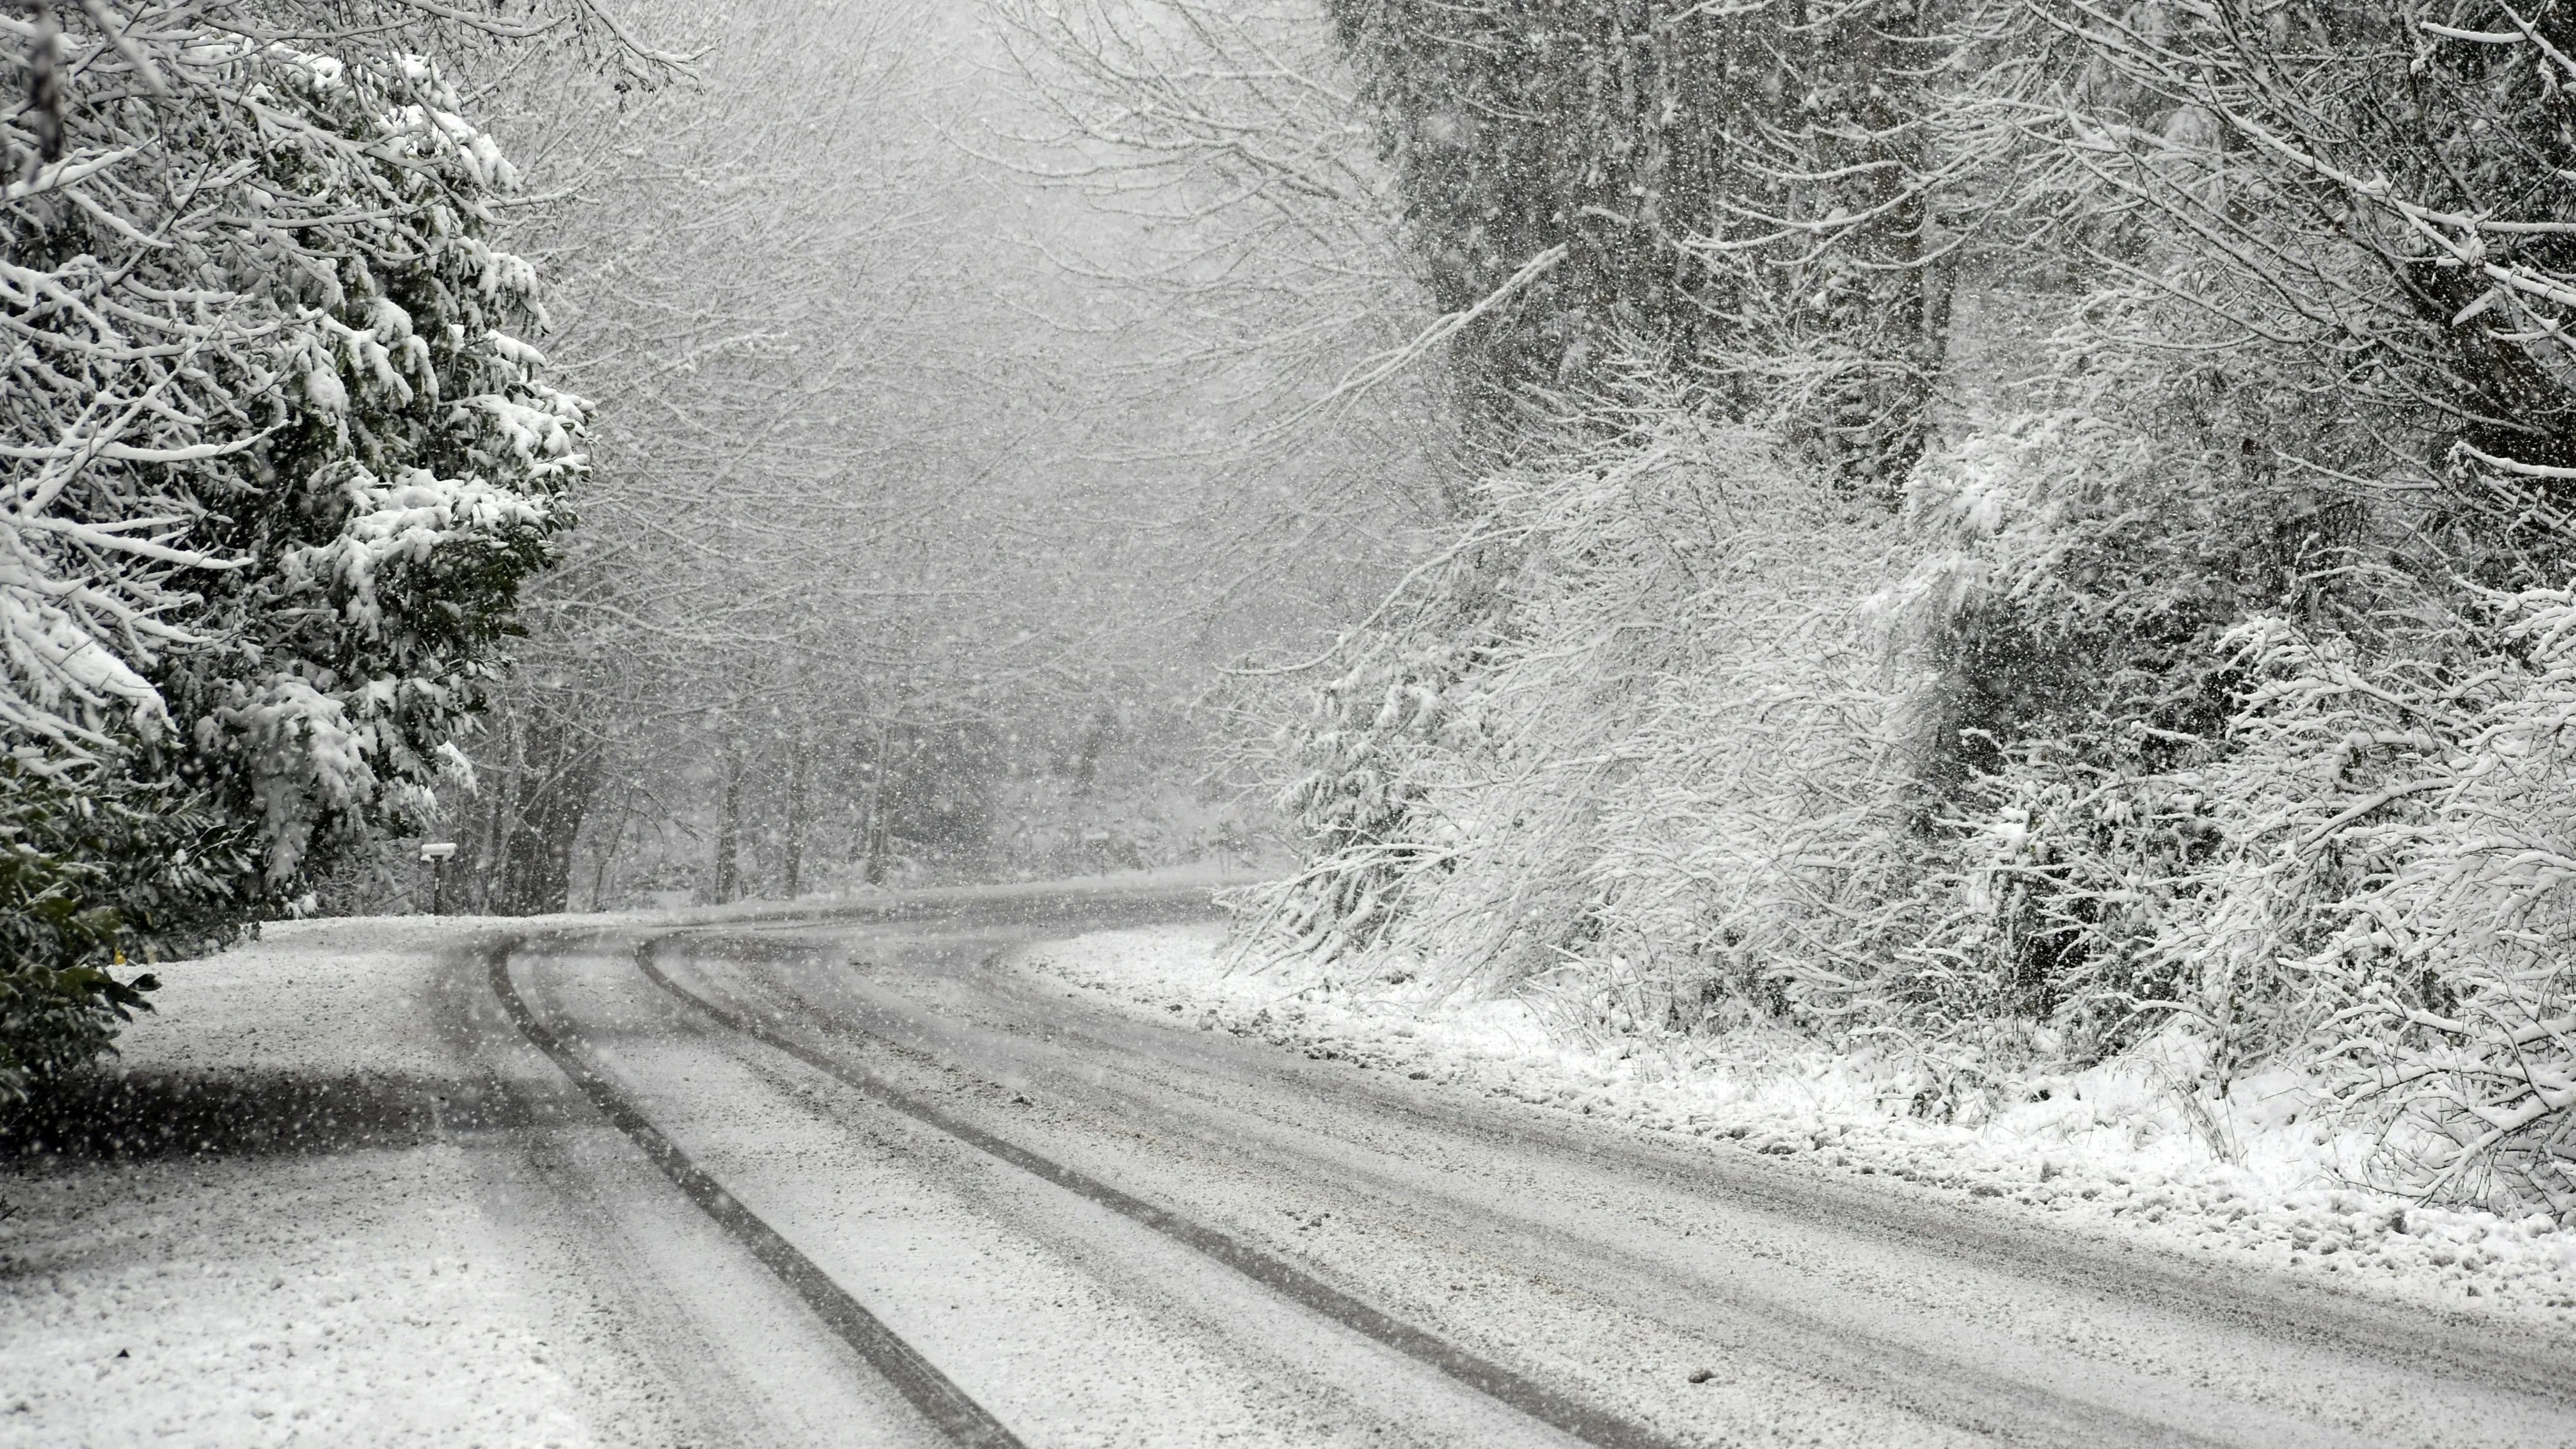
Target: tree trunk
<point x="473" y="877"/>
<point x="879" y="837"/>
<point x="605" y="844"/>
<point x="729" y="831"/>
<point x="558" y="774"/>
<point x="795" y="845"/>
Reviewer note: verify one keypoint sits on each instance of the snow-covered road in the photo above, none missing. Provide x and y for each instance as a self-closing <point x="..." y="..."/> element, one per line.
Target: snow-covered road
<point x="954" y="1145"/>
<point x="1092" y="1227"/>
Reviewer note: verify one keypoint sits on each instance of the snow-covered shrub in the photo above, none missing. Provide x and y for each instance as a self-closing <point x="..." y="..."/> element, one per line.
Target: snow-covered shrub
<point x="2078" y="580"/>
<point x="278" y="452"/>
<point x="2361" y="872"/>
<point x="2088" y="546"/>
<point x="2400" y="885"/>
<point x="1358" y="797"/>
<point x="1628" y="744"/>
<point x="2136" y="749"/>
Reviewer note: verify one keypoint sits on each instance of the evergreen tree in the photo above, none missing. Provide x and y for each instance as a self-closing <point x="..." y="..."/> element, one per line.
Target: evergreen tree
<point x="278" y="455"/>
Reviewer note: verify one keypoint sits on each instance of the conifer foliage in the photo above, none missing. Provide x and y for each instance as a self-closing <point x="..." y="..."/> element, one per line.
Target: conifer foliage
<point x="278" y="452"/>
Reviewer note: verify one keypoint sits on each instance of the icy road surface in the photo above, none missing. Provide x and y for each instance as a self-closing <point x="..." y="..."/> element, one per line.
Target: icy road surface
<point x="816" y="1180"/>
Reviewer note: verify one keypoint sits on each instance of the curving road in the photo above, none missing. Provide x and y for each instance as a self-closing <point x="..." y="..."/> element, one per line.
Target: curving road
<point x="847" y="1184"/>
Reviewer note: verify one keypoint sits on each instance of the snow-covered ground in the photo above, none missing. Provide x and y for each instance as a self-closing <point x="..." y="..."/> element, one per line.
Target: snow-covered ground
<point x="402" y="1290"/>
<point x="2119" y="1151"/>
<point x="373" y="1294"/>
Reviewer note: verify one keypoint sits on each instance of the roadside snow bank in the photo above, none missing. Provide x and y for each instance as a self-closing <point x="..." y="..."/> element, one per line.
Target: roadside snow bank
<point x="2123" y="1150"/>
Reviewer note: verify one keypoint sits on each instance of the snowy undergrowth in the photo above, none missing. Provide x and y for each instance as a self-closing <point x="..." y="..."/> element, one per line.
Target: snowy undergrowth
<point x="2059" y="768"/>
<point x="2120" y="1150"/>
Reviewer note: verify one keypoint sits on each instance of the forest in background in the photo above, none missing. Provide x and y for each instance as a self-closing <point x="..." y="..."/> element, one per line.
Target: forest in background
<point x="948" y="442"/>
<point x="739" y="451"/>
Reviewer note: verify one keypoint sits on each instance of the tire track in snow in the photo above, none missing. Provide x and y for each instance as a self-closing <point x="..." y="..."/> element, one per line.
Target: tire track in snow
<point x="2020" y="1396"/>
<point x="931" y="1392"/>
<point x="1906" y="1375"/>
<point x="2282" y="1317"/>
<point x="2293" y="1313"/>
<point x="1583" y="1421"/>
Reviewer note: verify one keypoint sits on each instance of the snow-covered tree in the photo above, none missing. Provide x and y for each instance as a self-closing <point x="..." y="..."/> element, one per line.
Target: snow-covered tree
<point x="2374" y="196"/>
<point x="278" y="453"/>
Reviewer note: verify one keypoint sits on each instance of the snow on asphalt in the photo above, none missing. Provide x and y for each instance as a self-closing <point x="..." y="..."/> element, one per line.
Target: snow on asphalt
<point x="327" y="1300"/>
<point x="360" y="1295"/>
<point x="2118" y="1152"/>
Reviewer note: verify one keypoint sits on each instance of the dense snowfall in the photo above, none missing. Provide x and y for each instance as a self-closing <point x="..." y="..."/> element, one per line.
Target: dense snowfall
<point x="1981" y="596"/>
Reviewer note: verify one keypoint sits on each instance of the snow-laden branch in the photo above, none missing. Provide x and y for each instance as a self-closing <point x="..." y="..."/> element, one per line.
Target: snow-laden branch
<point x="210" y="365"/>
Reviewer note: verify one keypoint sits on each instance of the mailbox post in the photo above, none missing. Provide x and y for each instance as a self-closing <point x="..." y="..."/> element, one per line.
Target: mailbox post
<point x="437" y="853"/>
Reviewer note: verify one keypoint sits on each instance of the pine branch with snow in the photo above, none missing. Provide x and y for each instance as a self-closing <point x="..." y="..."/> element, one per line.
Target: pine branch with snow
<point x="274" y="449"/>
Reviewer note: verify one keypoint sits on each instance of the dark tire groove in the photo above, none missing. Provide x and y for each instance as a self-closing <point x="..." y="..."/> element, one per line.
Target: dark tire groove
<point x="931" y="1392"/>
